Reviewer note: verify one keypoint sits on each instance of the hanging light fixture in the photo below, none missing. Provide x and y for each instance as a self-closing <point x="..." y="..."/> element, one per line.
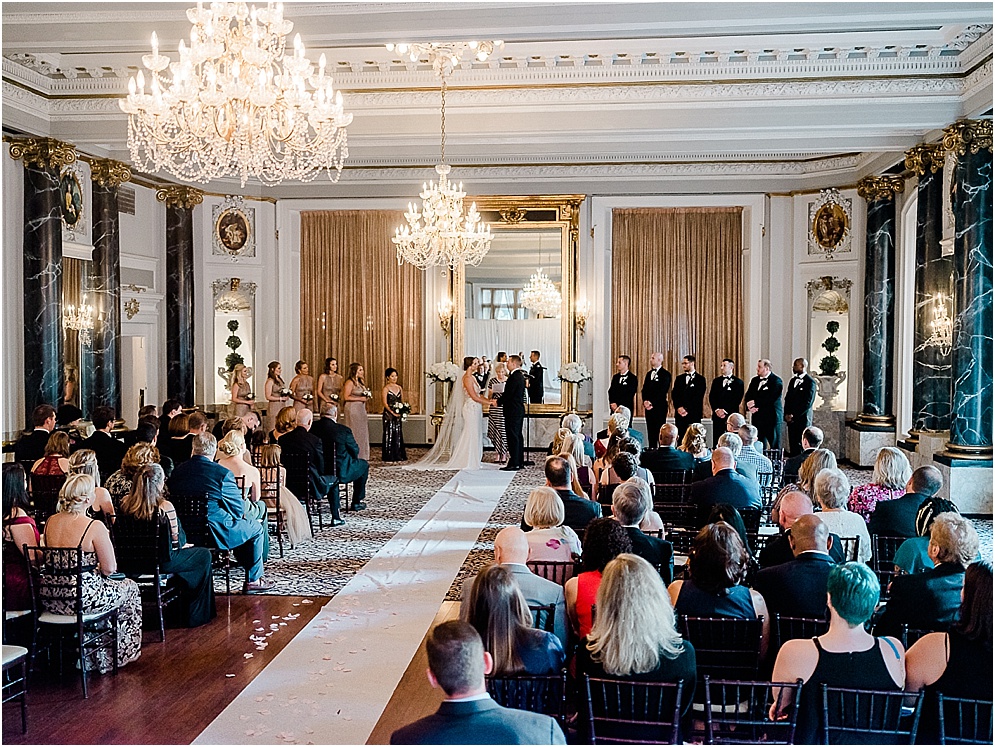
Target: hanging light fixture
<point x="440" y="234"/>
<point x="79" y="319"/>
<point x="540" y="295"/>
<point x="235" y="104"/>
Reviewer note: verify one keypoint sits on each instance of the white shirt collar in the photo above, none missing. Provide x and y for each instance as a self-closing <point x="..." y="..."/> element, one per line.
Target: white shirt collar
<point x="469" y="698"/>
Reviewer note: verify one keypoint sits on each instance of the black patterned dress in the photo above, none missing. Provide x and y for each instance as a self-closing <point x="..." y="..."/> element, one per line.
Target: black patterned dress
<point x="393" y="438"/>
<point x="495" y="423"/>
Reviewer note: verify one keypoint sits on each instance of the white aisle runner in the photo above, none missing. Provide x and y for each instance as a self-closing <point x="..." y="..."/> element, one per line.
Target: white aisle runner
<point x="331" y="684"/>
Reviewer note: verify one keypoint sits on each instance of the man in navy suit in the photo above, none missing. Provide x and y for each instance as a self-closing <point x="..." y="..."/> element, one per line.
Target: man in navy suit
<point x="110" y="452"/>
<point x="763" y="401"/>
<point x="798" y="401"/>
<point x="225" y="508"/>
<point x="812" y="438"/>
<point x="578" y="511"/>
<point x="339" y="441"/>
<point x="630" y="503"/>
<point x="897" y="517"/>
<point x="457" y="664"/>
<point x="31" y="447"/>
<point x="794" y="505"/>
<point x="724" y="486"/>
<point x="798" y="588"/>
<point x="301" y="441"/>
<point x="667" y="457"/>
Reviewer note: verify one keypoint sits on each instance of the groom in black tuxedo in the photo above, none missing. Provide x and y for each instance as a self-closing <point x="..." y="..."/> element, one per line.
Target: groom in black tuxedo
<point x="512" y="401"/>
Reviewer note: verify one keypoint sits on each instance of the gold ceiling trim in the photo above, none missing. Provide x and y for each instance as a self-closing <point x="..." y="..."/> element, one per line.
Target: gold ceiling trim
<point x="883" y="187"/>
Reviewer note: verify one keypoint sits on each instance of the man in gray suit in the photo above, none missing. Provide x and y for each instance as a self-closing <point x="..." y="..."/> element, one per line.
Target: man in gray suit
<point x="457" y="664"/>
<point x="511" y="549"/>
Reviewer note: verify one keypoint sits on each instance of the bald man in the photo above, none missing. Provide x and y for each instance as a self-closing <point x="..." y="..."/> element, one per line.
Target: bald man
<point x="667" y="457"/>
<point x="792" y="506"/>
<point x="798" y="588"/>
<point x="724" y="486"/>
<point x="511" y="549"/>
<point x="799" y="397"/>
<point x="656" y="387"/>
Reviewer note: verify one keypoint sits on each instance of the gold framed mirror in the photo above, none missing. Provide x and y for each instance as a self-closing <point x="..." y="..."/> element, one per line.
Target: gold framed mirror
<point x="534" y="244"/>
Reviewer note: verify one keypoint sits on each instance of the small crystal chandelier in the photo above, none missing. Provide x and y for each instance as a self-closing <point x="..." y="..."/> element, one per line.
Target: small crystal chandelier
<point x="440" y="234"/>
<point x="80" y="319"/>
<point x="235" y="104"/>
<point x="941" y="327"/>
<point x="540" y="295"/>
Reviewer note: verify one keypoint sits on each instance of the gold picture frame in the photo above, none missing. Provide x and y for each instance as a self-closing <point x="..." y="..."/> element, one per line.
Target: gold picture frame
<point x="71" y="198"/>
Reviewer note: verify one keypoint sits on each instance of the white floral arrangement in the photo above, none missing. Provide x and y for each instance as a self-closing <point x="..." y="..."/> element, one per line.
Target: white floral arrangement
<point x="574" y="373"/>
<point x="443" y="371"/>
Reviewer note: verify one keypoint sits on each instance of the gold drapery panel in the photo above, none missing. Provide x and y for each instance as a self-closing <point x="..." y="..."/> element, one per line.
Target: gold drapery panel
<point x="677" y="288"/>
<point x="357" y="303"/>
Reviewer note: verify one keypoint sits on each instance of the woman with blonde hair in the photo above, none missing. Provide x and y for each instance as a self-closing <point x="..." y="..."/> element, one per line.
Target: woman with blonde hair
<point x="84" y="462"/>
<point x="241" y="393"/>
<point x="230" y="450"/>
<point x="575" y="484"/>
<point x="71" y="527"/>
<point x="549" y="538"/>
<point x="583" y="475"/>
<point x="137" y="457"/>
<point x="274" y="479"/>
<point x="891" y="474"/>
<point x="55" y="459"/>
<point x="634" y="636"/>
<point x="695" y="442"/>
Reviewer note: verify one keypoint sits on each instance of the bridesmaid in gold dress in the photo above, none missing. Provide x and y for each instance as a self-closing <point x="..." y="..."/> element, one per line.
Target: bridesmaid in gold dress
<point x="355" y="395"/>
<point x="302" y="387"/>
<point x="271" y="389"/>
<point x="329" y="384"/>
<point x="241" y="392"/>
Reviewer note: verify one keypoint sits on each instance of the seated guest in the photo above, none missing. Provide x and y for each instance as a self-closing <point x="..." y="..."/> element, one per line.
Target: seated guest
<point x="229" y="455"/>
<point x="628" y="466"/>
<point x="891" y="474"/>
<point x="695" y="442"/>
<point x="183" y="447"/>
<point x="604" y="540"/>
<point x="897" y="518"/>
<point x="630" y="504"/>
<point x="108" y="449"/>
<point x="930" y="600"/>
<point x="575" y="484"/>
<point x="577" y="510"/>
<point x="817" y="461"/>
<point x="831" y="490"/>
<point x="497" y="610"/>
<point x="724" y="486"/>
<point x="667" y="457"/>
<point x="175" y="440"/>
<point x="611" y="451"/>
<point x="794" y="505"/>
<point x="798" y="588"/>
<point x="457" y="663"/>
<point x="147" y="432"/>
<point x="84" y="462"/>
<point x="299" y="441"/>
<point x="338" y="439"/>
<point x="190" y="565"/>
<point x="734" y="422"/>
<point x="572" y="422"/>
<point x="286" y="421"/>
<point x="19" y="529"/>
<point x="169" y="410"/>
<point x="845" y="656"/>
<point x="273" y="478"/>
<point x="732" y="517"/>
<point x="225" y="506"/>
<point x="511" y="550"/>
<point x="912" y="555"/>
<point x="749" y="435"/>
<point x="55" y="461"/>
<point x="635" y="635"/>
<point x="549" y="539"/>
<point x="619" y="421"/>
<point x="812" y="438"/>
<point x="574" y="445"/>
<point x="703" y="470"/>
<point x="30" y="447"/>
<point x="957" y="663"/>
<point x="718" y="563"/>
<point x="70" y="527"/>
<point x="136" y="458"/>
<point x="69" y="420"/>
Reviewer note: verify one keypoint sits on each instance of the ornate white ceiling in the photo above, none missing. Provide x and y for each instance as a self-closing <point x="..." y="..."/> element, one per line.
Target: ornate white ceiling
<point x="580" y="92"/>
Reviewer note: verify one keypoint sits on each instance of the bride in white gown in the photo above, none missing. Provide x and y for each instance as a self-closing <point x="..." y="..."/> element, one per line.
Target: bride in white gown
<point x="460" y="444"/>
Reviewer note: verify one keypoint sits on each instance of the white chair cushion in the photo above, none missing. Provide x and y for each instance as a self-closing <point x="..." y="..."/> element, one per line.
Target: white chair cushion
<point x="13" y="614"/>
<point x="53" y="619"/>
<point x="13" y="653"/>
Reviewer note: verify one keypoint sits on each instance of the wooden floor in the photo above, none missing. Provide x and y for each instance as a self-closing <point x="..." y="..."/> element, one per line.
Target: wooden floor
<point x="173" y="691"/>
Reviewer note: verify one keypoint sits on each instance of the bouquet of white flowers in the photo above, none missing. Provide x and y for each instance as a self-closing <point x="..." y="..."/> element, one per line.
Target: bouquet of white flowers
<point x="443" y="371"/>
<point x="574" y="373"/>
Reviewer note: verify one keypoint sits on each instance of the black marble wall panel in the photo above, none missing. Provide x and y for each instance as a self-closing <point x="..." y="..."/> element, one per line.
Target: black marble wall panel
<point x="105" y="286"/>
<point x="879" y="307"/>
<point x="43" y="365"/>
<point x="971" y="420"/>
<point x="934" y="278"/>
<point x="179" y="304"/>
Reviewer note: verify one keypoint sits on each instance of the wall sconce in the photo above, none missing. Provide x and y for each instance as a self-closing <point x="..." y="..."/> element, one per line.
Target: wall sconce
<point x="80" y="319"/>
<point x="581" y="311"/>
<point x="445" y="311"/>
<point x="941" y="327"/>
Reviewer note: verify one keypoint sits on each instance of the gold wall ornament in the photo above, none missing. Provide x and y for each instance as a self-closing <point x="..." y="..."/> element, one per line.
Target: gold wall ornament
<point x="829" y="220"/>
<point x="43" y="152"/>
<point x="925" y="157"/>
<point x="513" y="215"/>
<point x="177" y="196"/>
<point x="968" y="135"/>
<point x="109" y="173"/>
<point x="883" y="187"/>
<point x="132" y="307"/>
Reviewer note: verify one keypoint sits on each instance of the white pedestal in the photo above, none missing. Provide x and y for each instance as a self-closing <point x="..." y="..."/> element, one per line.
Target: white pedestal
<point x="967" y="484"/>
<point x="863" y="445"/>
<point x="833" y="425"/>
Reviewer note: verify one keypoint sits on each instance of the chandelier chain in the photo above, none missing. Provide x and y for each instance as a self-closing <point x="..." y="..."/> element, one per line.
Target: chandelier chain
<point x="443" y="118"/>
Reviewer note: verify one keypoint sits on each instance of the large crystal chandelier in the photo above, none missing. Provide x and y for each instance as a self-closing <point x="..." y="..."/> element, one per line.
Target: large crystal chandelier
<point x="540" y="295"/>
<point x="235" y="104"/>
<point x="440" y="234"/>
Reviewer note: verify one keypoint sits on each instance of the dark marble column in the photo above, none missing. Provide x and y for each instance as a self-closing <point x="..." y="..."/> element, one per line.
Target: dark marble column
<point x="931" y="356"/>
<point x="43" y="356"/>
<point x="879" y="299"/>
<point x="180" y="299"/>
<point x="105" y="284"/>
<point x="971" y="198"/>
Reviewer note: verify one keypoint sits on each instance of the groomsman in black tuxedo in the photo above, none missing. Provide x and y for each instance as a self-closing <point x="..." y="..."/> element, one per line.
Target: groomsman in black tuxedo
<point x="622" y="391"/>
<point x="724" y="397"/>
<point x="798" y="401"/>
<point x="512" y="401"/>
<point x="688" y="396"/>
<point x="763" y="401"/>
<point x="536" y="379"/>
<point x="656" y="387"/>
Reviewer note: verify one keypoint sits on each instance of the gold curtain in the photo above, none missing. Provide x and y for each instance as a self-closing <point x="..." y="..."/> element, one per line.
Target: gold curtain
<point x="357" y="303"/>
<point x="677" y="288"/>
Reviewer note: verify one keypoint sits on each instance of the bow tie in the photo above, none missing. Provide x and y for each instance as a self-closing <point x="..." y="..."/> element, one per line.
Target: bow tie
<point x="727" y="378"/>
<point x="690" y="376"/>
<point x="653" y="374"/>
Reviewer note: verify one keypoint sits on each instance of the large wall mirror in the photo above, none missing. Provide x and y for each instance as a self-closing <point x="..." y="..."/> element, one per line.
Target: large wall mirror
<point x="77" y="348"/>
<point x="499" y="309"/>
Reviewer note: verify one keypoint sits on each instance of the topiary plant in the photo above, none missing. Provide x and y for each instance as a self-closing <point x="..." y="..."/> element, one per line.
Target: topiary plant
<point x="830" y="364"/>
<point x="234" y="342"/>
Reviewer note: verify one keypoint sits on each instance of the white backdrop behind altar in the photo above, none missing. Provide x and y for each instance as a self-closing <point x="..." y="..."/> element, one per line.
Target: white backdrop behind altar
<point x="490" y="336"/>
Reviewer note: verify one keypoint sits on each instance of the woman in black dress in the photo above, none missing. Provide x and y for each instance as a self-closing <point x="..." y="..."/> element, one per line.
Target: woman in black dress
<point x="393" y="438"/>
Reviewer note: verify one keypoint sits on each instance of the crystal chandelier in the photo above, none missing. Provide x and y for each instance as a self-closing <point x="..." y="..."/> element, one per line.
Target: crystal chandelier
<point x="235" y="104"/>
<point x="540" y="295"/>
<point x="441" y="234"/>
<point x="80" y="319"/>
